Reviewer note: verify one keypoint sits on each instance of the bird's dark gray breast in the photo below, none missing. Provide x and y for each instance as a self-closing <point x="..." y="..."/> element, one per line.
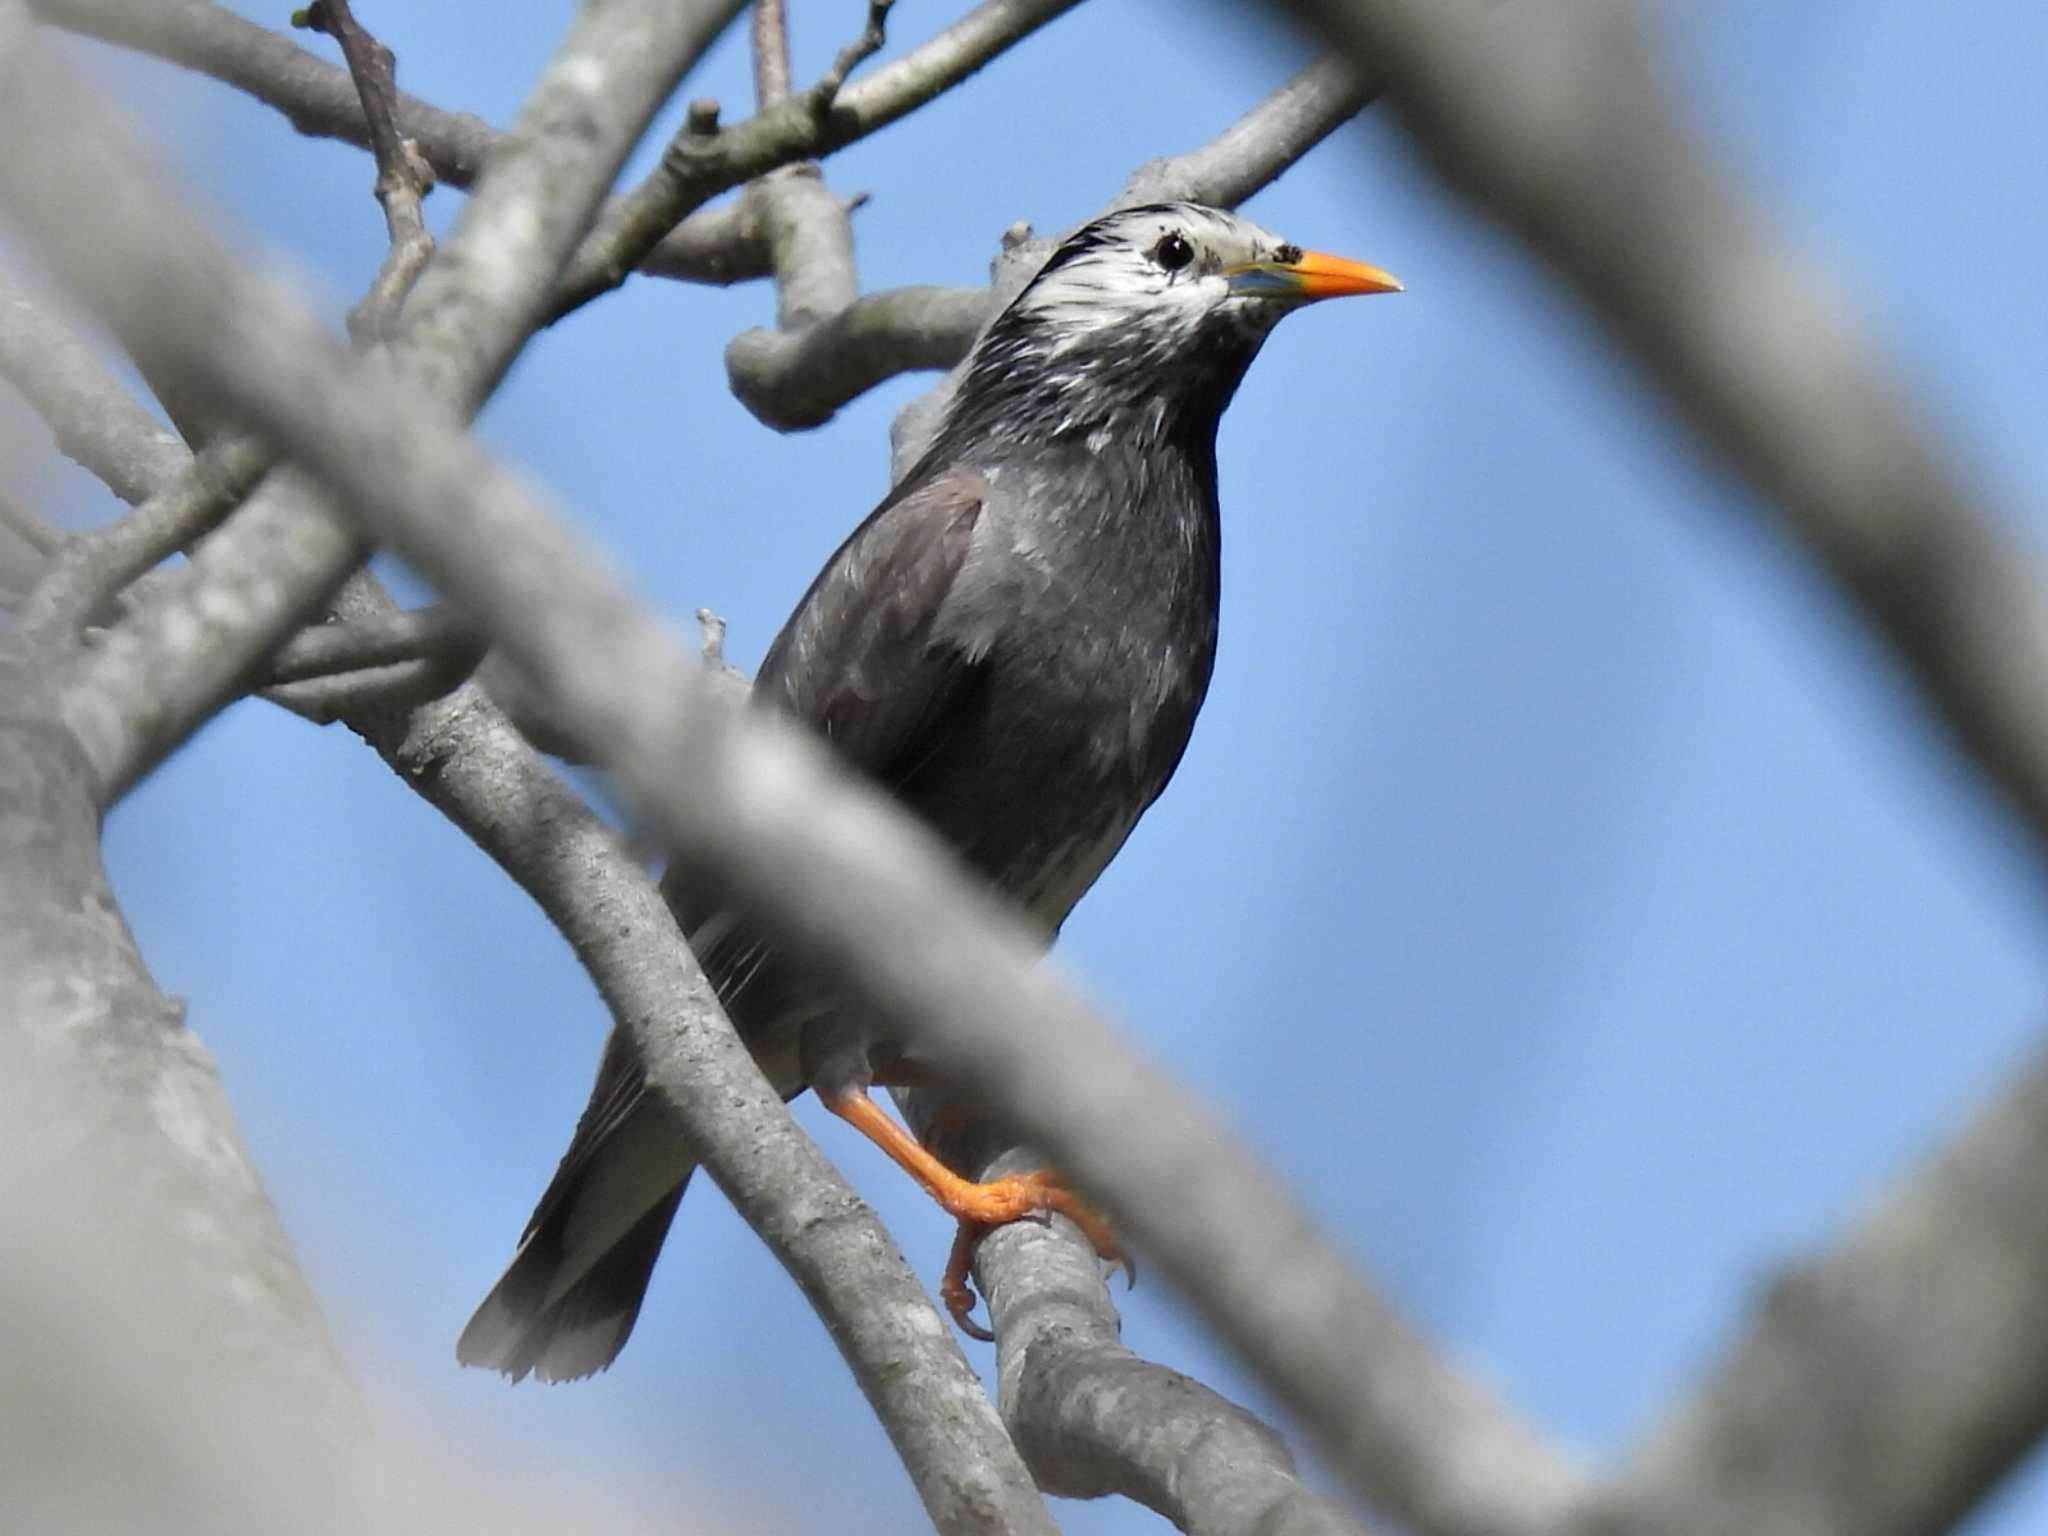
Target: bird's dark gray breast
<point x="1088" y="603"/>
<point x="1015" y="644"/>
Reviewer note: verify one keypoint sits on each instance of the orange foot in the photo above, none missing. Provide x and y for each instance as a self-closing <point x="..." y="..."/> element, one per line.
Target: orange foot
<point x="1013" y="1199"/>
<point x="977" y="1207"/>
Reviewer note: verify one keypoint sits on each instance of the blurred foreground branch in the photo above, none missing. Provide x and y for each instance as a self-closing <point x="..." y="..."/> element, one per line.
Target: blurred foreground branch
<point x="1886" y="1385"/>
<point x="1886" y="1388"/>
<point x="321" y="100"/>
<point x="848" y="882"/>
<point x="95" y="422"/>
<point x="1567" y="139"/>
<point x="476" y="304"/>
<point x="115" y="1106"/>
<point x="1170" y="1443"/>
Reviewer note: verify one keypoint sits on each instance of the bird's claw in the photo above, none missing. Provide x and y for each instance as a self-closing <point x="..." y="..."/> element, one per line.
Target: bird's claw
<point x="956" y="1286"/>
<point x="1021" y="1197"/>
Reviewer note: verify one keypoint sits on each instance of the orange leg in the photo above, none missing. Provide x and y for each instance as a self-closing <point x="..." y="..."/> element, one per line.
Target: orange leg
<point x="977" y="1207"/>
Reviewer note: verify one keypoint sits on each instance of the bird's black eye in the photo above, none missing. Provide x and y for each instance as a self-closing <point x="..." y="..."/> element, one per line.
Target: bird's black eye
<point x="1173" y="251"/>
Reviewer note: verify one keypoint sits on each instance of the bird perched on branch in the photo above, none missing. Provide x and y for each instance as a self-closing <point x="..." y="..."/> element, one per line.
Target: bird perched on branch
<point x="1015" y="644"/>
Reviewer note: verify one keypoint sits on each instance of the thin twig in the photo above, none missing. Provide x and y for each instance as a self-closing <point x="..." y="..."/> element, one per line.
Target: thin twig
<point x="707" y="245"/>
<point x="162" y="671"/>
<point x="83" y="582"/>
<point x="26" y="526"/>
<point x="403" y="175"/>
<point x="1254" y="150"/>
<point x="316" y="98"/>
<point x="771" y="53"/>
<point x="380" y="661"/>
<point x="795" y="380"/>
<point x="105" y="429"/>
<point x="327" y="700"/>
<point x="26" y="544"/>
<point x="825" y="94"/>
<point x="437" y="634"/>
<point x="809" y="235"/>
<point x="699" y="165"/>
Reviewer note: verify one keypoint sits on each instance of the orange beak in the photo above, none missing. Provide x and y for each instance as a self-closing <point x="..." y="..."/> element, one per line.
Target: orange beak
<point x="1309" y="276"/>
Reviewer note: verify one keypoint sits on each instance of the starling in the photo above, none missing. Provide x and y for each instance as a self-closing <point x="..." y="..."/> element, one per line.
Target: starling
<point x="1014" y="644"/>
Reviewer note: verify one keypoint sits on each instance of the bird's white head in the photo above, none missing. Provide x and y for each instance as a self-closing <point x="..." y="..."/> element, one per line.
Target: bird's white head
<point x="1147" y="310"/>
<point x="1173" y="273"/>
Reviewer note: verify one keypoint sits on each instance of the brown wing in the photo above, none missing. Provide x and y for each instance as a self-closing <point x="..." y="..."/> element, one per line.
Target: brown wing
<point x="857" y="661"/>
<point x="860" y="660"/>
<point x="863" y="663"/>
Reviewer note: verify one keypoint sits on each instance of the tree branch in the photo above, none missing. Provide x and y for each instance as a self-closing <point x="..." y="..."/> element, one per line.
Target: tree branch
<point x="701" y="163"/>
<point x="27" y="545"/>
<point x="770" y="52"/>
<point x="81" y="576"/>
<point x="112" y="434"/>
<point x="165" y="670"/>
<point x="692" y="242"/>
<point x="937" y="1415"/>
<point x="1889" y="1386"/>
<point x="384" y="661"/>
<point x="316" y="98"/>
<point x="201" y="637"/>
<point x="399" y="685"/>
<point x="1752" y="344"/>
<point x="1253" y="152"/>
<point x="403" y="175"/>
<point x="846" y="881"/>
<point x="1886" y="1385"/>
<point x="810" y="238"/>
<point x="791" y="380"/>
<point x="1090" y="1416"/>
<point x="435" y="633"/>
<point x="93" y="569"/>
<point x="122" y="1104"/>
<point x="1093" y="1418"/>
<point x="465" y="758"/>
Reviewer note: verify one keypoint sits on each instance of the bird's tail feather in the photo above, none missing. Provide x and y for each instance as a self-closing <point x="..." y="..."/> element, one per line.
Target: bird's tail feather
<point x="524" y="1327"/>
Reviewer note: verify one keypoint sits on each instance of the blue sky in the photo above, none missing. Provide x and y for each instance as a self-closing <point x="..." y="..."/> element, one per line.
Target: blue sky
<point x="1562" y="888"/>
